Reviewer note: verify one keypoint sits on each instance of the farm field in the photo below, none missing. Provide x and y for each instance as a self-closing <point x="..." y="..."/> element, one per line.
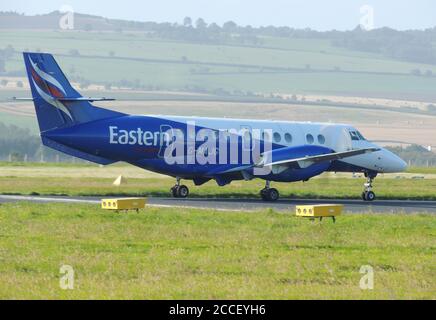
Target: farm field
<point x="277" y="65"/>
<point x="385" y="101"/>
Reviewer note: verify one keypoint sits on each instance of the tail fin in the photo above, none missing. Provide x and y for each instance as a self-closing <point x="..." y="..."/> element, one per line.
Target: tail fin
<point x="57" y="103"/>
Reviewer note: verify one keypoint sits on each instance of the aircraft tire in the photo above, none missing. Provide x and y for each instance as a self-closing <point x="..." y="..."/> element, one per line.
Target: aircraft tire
<point x="271" y="194"/>
<point x="368" y="196"/>
<point x="182" y="191"/>
<point x="173" y="191"/>
<point x="263" y="194"/>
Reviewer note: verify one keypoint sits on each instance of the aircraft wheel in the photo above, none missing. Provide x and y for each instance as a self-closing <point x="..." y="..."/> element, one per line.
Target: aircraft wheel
<point x="369" y="196"/>
<point x="173" y="191"/>
<point x="271" y="194"/>
<point x="182" y="191"/>
<point x="263" y="194"/>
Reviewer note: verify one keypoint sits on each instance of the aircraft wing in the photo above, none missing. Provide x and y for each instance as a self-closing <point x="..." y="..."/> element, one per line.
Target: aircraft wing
<point x="67" y="99"/>
<point x="305" y="162"/>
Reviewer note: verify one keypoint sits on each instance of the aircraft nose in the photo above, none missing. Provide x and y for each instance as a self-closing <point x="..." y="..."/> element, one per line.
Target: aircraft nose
<point x="403" y="165"/>
<point x="394" y="163"/>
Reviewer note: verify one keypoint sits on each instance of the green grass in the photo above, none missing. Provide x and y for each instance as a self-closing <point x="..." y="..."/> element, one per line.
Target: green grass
<point x="422" y="170"/>
<point x="203" y="254"/>
<point x="322" y="188"/>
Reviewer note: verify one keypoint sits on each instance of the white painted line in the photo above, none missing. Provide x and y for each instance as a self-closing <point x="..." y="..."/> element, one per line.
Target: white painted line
<point x="198" y="208"/>
<point x="47" y="199"/>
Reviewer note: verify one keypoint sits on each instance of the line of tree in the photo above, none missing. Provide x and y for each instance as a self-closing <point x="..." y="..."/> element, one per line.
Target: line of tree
<point x="411" y="45"/>
<point x="18" y="144"/>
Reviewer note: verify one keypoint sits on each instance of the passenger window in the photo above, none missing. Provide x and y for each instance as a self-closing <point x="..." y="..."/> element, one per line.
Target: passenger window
<point x="288" y="137"/>
<point x="277" y="137"/>
<point x="309" y="139"/>
<point x="247" y="140"/>
<point x="321" y="139"/>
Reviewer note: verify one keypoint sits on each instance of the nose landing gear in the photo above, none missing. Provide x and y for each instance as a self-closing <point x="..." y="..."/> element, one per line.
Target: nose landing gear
<point x="179" y="191"/>
<point x="269" y="194"/>
<point x="368" y="194"/>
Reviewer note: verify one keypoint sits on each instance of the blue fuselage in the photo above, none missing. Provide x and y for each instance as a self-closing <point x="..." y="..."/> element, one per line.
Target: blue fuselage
<point x="140" y="140"/>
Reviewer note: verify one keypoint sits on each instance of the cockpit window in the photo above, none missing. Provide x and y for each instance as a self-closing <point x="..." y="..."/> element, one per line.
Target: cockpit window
<point x="360" y="135"/>
<point x="356" y="136"/>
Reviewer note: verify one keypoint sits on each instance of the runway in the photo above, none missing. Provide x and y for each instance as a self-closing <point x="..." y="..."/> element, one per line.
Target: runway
<point x="350" y="206"/>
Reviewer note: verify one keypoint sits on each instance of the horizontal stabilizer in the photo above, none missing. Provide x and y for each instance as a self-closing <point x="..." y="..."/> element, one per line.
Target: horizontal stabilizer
<point x="22" y="99"/>
<point x="66" y="99"/>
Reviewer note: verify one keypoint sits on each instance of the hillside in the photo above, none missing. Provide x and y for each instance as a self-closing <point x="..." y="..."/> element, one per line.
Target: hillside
<point x="204" y="57"/>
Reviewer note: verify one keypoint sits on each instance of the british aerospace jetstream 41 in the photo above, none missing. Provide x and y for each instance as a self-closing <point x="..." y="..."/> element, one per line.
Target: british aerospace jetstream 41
<point x="198" y="149"/>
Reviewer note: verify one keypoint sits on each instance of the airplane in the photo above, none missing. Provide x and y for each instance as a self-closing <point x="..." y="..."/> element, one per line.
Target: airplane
<point x="198" y="148"/>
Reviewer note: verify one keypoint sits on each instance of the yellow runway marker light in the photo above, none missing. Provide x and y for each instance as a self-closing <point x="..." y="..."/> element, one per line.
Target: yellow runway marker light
<point x="319" y="211"/>
<point x="123" y="204"/>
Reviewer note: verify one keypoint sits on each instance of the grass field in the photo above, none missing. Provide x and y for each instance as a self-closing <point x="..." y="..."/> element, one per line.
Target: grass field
<point x="200" y="254"/>
<point x="91" y="180"/>
<point x="429" y="170"/>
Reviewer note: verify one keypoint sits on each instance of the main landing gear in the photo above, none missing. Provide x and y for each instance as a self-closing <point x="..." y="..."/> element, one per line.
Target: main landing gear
<point x="368" y="194"/>
<point x="269" y="194"/>
<point x="179" y="191"/>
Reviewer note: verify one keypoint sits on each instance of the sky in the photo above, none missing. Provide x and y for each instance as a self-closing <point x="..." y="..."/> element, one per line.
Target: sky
<point x="315" y="14"/>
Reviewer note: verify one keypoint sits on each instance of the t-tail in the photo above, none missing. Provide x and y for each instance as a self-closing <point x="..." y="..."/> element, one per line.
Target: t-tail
<point x="58" y="105"/>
